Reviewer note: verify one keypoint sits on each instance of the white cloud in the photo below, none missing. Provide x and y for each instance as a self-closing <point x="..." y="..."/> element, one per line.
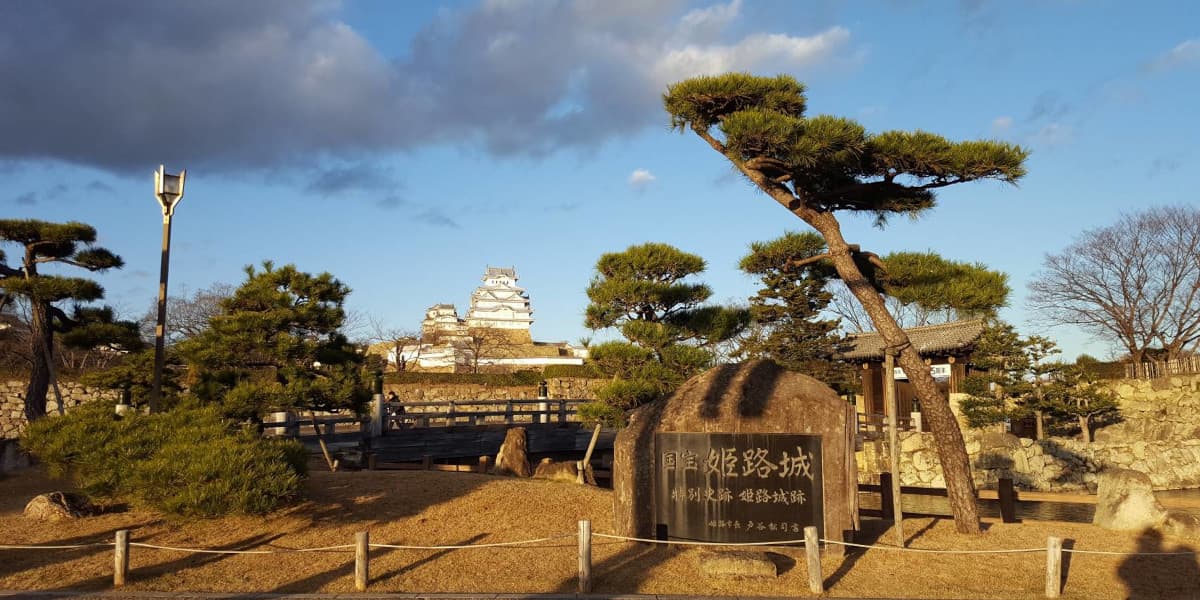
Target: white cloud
<point x="277" y="82"/>
<point x="753" y="52"/>
<point x="640" y="178"/>
<point x="1002" y="124"/>
<point x="1186" y="53"/>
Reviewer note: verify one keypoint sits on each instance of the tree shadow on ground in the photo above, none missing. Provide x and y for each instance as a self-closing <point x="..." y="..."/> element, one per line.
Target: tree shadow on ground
<point x="625" y="571"/>
<point x="1149" y="575"/>
<point x="187" y="561"/>
<point x="15" y="561"/>
<point x="393" y="574"/>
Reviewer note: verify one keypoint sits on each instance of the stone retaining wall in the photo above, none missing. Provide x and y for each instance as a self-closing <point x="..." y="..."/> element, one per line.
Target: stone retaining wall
<point x="1159" y="436"/>
<point x="12" y="403"/>
<point x="570" y="388"/>
<point x="1055" y="464"/>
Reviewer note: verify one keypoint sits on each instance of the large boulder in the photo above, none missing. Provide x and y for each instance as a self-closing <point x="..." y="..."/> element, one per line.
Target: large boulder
<point x="58" y="506"/>
<point x="750" y="397"/>
<point x="1125" y="501"/>
<point x="564" y="471"/>
<point x="513" y="458"/>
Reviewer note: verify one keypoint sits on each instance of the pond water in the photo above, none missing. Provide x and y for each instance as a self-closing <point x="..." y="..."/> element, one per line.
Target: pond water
<point x="1039" y="511"/>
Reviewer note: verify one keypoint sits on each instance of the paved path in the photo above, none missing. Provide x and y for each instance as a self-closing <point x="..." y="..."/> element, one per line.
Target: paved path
<point x="131" y="595"/>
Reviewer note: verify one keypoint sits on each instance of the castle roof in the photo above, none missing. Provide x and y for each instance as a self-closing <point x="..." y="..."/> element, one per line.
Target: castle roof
<point x="510" y="272"/>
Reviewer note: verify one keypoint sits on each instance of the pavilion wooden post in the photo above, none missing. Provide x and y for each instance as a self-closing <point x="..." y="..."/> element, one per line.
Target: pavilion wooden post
<point x="889" y="401"/>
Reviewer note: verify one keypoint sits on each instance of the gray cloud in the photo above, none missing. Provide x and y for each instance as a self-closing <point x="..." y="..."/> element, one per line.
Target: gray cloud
<point x="96" y="185"/>
<point x="27" y="199"/>
<point x="1048" y="106"/>
<point x="436" y="218"/>
<point x="232" y="85"/>
<point x="360" y="177"/>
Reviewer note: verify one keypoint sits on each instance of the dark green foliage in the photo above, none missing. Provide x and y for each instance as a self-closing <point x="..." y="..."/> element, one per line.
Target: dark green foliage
<point x="276" y="345"/>
<point x="937" y="284"/>
<point x="70" y="244"/>
<point x="998" y="385"/>
<point x="832" y="163"/>
<point x="788" y="309"/>
<point x="1080" y="395"/>
<point x="134" y="376"/>
<point x="643" y="292"/>
<point x="188" y="461"/>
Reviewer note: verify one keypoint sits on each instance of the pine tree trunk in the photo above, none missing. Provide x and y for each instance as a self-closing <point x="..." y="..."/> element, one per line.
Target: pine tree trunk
<point x="1037" y="414"/>
<point x="1085" y="428"/>
<point x="42" y="337"/>
<point x="948" y="439"/>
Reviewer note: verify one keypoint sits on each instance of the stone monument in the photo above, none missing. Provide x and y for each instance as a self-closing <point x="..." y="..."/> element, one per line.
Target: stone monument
<point x="741" y="453"/>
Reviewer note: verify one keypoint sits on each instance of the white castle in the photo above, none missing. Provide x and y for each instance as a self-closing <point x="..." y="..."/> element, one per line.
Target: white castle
<point x="494" y="336"/>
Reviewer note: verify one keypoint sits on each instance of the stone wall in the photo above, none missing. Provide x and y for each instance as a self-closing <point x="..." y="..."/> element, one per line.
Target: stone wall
<point x="570" y="388"/>
<point x="1159" y="435"/>
<point x="12" y="403"/>
<point x="1054" y="464"/>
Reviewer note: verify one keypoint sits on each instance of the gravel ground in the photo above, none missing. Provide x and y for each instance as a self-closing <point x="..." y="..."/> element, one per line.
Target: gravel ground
<point x="434" y="508"/>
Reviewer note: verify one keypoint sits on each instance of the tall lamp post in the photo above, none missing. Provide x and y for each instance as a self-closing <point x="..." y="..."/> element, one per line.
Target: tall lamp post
<point x="169" y="191"/>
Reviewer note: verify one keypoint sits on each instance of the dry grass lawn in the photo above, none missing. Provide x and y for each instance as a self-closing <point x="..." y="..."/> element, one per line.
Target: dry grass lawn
<point x="432" y="508"/>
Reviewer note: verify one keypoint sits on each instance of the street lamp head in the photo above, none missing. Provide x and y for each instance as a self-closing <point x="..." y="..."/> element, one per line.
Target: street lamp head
<point x="168" y="189"/>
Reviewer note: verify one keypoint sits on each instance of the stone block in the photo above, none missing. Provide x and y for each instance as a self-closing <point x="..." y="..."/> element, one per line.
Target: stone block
<point x="1125" y="501"/>
<point x="738" y="564"/>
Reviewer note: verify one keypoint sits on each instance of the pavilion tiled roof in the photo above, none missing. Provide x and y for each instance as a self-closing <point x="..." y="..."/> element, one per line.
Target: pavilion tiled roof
<point x="945" y="338"/>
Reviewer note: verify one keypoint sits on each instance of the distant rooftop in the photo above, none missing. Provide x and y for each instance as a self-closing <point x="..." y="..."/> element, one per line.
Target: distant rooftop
<point x="930" y="339"/>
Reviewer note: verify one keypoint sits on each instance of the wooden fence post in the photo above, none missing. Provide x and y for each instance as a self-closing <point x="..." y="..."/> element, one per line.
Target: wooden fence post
<point x="508" y="412"/>
<point x="585" y="557"/>
<point x="562" y="412"/>
<point x="886" y="504"/>
<point x="484" y="461"/>
<point x="378" y="424"/>
<point x="121" y="557"/>
<point x="426" y="462"/>
<point x="812" y="548"/>
<point x="362" y="558"/>
<point x="1053" y="567"/>
<point x="1008" y="500"/>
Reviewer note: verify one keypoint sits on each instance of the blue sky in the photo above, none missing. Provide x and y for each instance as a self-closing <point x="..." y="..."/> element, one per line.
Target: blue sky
<point x="405" y="146"/>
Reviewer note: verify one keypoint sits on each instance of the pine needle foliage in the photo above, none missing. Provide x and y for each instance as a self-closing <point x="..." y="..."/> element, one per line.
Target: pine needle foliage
<point x="70" y="244"/>
<point x="788" y="309"/>
<point x="277" y="345"/>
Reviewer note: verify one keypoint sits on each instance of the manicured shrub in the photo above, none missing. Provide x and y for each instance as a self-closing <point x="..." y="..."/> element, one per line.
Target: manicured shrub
<point x="187" y="461"/>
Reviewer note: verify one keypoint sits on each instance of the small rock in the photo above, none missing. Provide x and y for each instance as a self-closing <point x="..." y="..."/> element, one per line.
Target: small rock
<point x="738" y="564"/>
<point x="58" y="506"/>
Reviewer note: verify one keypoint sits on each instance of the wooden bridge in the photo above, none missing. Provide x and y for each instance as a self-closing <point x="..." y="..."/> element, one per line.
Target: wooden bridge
<point x="453" y="431"/>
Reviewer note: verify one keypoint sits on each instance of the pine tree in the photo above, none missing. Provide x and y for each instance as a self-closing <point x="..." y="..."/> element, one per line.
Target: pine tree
<point x="646" y="294"/>
<point x="817" y="166"/>
<point x="72" y="244"/>
<point x="277" y="344"/>
<point x="788" y="308"/>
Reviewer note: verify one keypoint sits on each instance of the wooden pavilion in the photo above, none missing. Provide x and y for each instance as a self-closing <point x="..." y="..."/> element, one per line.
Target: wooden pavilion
<point x="946" y="348"/>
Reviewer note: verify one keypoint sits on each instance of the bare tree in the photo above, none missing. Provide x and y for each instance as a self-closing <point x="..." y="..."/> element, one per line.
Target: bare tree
<point x="188" y="315"/>
<point x="484" y="343"/>
<point x="1135" y="283"/>
<point x="404" y="344"/>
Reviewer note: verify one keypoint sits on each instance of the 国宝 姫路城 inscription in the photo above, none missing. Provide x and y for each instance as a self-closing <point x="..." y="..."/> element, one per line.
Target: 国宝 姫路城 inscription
<point x="737" y="487"/>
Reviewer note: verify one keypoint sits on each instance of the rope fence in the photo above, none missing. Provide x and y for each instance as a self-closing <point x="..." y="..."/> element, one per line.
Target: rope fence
<point x="811" y="543"/>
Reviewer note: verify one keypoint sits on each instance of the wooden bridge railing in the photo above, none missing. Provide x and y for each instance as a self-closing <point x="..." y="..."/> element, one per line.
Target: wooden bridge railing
<point x="480" y="412"/>
<point x="874" y="427"/>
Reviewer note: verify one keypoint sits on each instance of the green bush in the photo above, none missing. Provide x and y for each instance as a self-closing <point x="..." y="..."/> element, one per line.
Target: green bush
<point x="188" y="461"/>
<point x="599" y="412"/>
